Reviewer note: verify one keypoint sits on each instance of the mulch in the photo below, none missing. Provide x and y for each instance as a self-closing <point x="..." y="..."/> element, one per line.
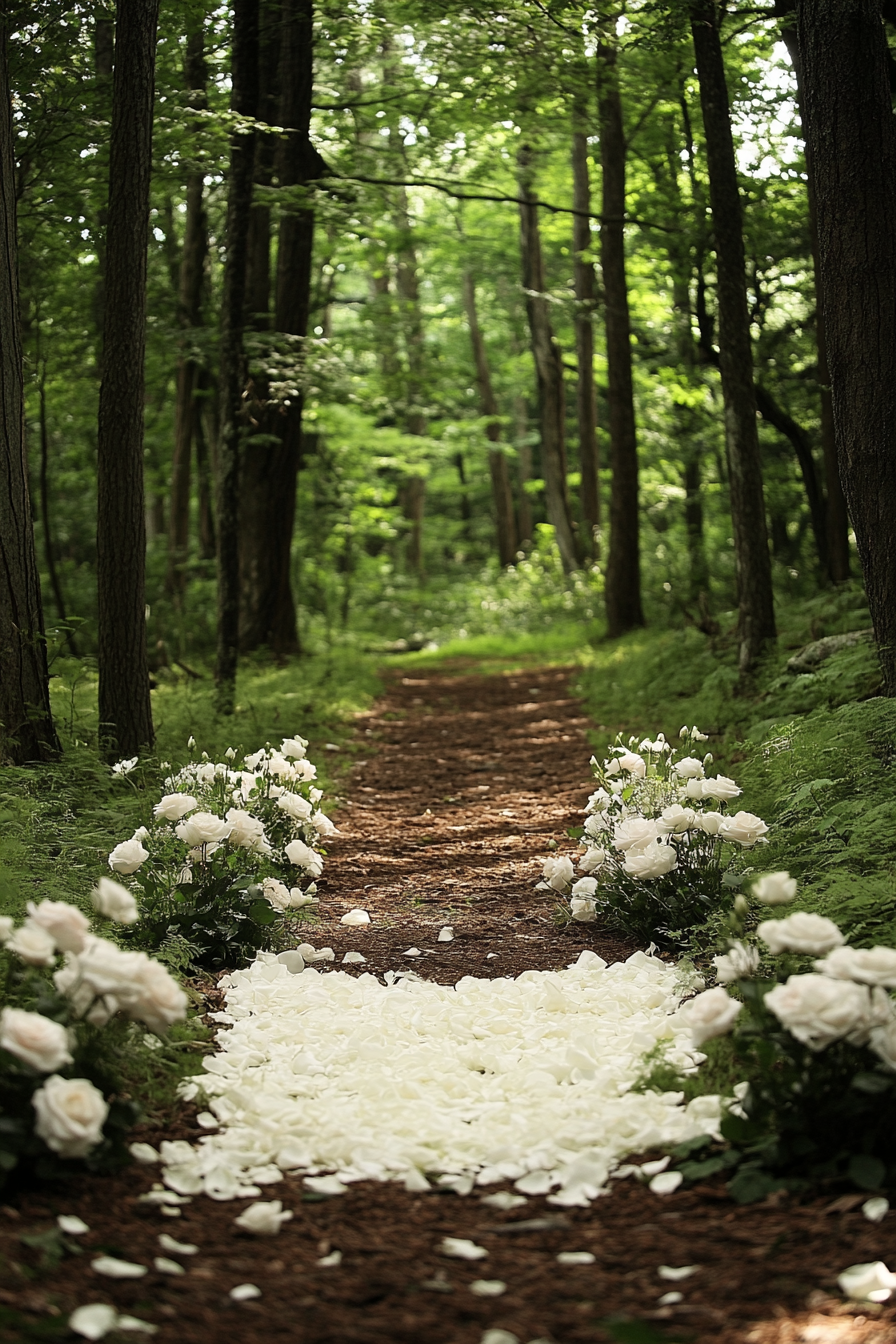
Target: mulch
<point x="456" y="787"/>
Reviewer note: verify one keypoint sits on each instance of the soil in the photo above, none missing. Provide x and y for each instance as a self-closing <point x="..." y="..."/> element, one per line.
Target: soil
<point x="458" y="785"/>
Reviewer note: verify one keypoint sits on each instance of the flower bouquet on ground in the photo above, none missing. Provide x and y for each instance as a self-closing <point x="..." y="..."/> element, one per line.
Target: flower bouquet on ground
<point x="656" y="842"/>
<point x="812" y="1040"/>
<point x="228" y="853"/>
<point x="63" y="1033"/>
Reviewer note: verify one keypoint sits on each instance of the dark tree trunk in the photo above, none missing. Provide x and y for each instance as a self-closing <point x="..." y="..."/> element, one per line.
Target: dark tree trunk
<point x="190" y="278"/>
<point x="125" y="712"/>
<point x="26" y="723"/>
<point x="852" y="158"/>
<point x="751" y="555"/>
<point x="548" y="369"/>
<point x="103" y="61"/>
<point x="49" y="548"/>
<point x="411" y="323"/>
<point x="785" y="424"/>
<point x="258" y="263"/>
<point x="502" y="494"/>
<point x="623" y="578"/>
<point x="583" y="279"/>
<point x="524" y="470"/>
<point x="206" y="392"/>
<point x="270" y="469"/>
<point x="836" y="517"/>
<point x="243" y="100"/>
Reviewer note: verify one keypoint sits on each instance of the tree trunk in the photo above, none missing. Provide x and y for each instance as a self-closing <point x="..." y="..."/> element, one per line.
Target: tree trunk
<point x="270" y="468"/>
<point x="411" y="323"/>
<point x="548" y="369"/>
<point x="49" y="548"/>
<point x="26" y="723"/>
<point x="189" y="316"/>
<point x="125" y="712"/>
<point x="836" y="517"/>
<point x="204" y="472"/>
<point x="524" y="470"/>
<point x="583" y="279"/>
<point x="502" y="494"/>
<point x="243" y="100"/>
<point x="852" y="158"/>
<point x="623" y="578"/>
<point x="751" y="555"/>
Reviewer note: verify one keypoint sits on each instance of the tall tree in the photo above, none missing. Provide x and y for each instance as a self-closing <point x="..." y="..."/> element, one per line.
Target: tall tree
<point x="125" y="712"/>
<point x="502" y="493"/>
<point x="26" y="723"/>
<point x="751" y="555"/>
<point x="583" y="282"/>
<point x="548" y="366"/>
<point x="623" y="577"/>
<point x="232" y="375"/>
<point x="852" y="158"/>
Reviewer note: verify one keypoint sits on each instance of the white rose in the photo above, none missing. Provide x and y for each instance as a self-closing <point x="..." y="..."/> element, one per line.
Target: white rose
<point x="867" y="1283"/>
<point x="279" y="766"/>
<point x="634" y="834"/>
<point x="304" y="771"/>
<point x="7" y="924"/>
<point x="140" y="834"/>
<point x="34" y="1039"/>
<point x="264" y="1218"/>
<point x="115" y="902"/>
<point x="174" y="806"/>
<point x="872" y="966"/>
<point x="161" y="1000"/>
<point x="802" y="932"/>
<point x="247" y="831"/>
<point x="203" y="828"/>
<point x="818" y="1010"/>
<point x="677" y="819"/>
<point x="721" y="788"/>
<point x="654" y="861"/>
<point x="710" y="822"/>
<point x="597" y="825"/>
<point x="586" y="886"/>
<point x="276" y="893"/>
<point x="253" y="762"/>
<point x="694" y="789"/>
<point x="101" y="972"/>
<point x="295" y="806"/>
<point x="558" y="872"/>
<point x="743" y="829"/>
<point x="63" y="922"/>
<point x="298" y="898"/>
<point x="33" y="944"/>
<point x="738" y="963"/>
<point x="598" y="801"/>
<point x="632" y="764"/>
<point x="294" y="747"/>
<point x="592" y="859"/>
<point x="71" y="1113"/>
<point x="775" y="889"/>
<point x="303" y="856"/>
<point x="127" y="857"/>
<point x="582" y="909"/>
<point x="710" y="1014"/>
<point x="323" y="825"/>
<point x="689" y="768"/>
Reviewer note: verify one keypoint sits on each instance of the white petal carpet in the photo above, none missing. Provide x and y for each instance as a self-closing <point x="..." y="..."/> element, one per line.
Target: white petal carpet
<point x="526" y="1079"/>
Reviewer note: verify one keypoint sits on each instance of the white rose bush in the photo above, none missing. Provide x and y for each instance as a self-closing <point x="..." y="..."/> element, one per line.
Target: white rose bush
<point x="658" y="842"/>
<point x="230" y="854"/>
<point x="808" y="1024"/>
<point x="69" y="1007"/>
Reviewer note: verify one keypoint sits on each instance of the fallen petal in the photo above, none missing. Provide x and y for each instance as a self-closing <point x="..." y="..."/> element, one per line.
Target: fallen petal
<point x="244" y="1292"/>
<point x="118" y="1269"/>
<point x="165" y="1266"/>
<point x="488" y="1287"/>
<point x="71" y="1224"/>
<point x="459" y="1248"/>
<point x="675" y="1275"/>
<point x="666" y="1183"/>
<point x="575" y="1258"/>
<point x="94" y="1320"/>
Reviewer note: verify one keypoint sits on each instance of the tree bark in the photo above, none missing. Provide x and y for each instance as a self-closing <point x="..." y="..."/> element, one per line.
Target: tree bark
<point x="411" y="323"/>
<point x="502" y="494"/>
<point x="583" y="281"/>
<point x="189" y="315"/>
<point x="836" y="517"/>
<point x="623" y="577"/>
<point x="548" y="369"/>
<point x="751" y="554"/>
<point x="49" y="548"/>
<point x="125" y="712"/>
<point x="26" y="722"/>
<point x="852" y="158"/>
<point x="232" y="375"/>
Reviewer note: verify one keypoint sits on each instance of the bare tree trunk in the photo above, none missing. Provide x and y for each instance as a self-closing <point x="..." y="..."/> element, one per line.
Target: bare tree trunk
<point x="548" y="368"/>
<point x="751" y="556"/>
<point x="623" y="578"/>
<point x="189" y="316"/>
<point x="204" y="472"/>
<point x="243" y="100"/>
<point x="524" y="525"/>
<point x="125" y="712"/>
<point x="836" y="517"/>
<point x="852" y="158"/>
<point x="583" y="273"/>
<point x="411" y="322"/>
<point x="49" y="548"/>
<point x="502" y="493"/>
<point x="26" y="722"/>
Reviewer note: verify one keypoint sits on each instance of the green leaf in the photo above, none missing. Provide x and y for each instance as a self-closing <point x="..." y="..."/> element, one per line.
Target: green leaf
<point x="872" y="1083"/>
<point x="869" y="1173"/>
<point x="752" y="1184"/>
<point x="737" y="1130"/>
<point x="576" y="832"/>
<point x="262" y="912"/>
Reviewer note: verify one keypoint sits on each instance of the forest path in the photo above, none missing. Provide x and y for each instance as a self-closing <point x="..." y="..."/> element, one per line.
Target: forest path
<point x="460" y="783"/>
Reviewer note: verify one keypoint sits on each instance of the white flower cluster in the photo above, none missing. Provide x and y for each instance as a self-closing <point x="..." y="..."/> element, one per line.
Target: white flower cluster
<point x="98" y="979"/>
<point x="527" y="1079"/>
<point x="269" y="810"/>
<point x="655" y="811"/>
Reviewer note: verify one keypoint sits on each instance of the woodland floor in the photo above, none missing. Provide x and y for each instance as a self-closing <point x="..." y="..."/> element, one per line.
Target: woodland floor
<point x="459" y="782"/>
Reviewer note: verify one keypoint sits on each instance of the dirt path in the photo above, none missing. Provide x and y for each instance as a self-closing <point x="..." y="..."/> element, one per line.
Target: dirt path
<point x="460" y="783"/>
